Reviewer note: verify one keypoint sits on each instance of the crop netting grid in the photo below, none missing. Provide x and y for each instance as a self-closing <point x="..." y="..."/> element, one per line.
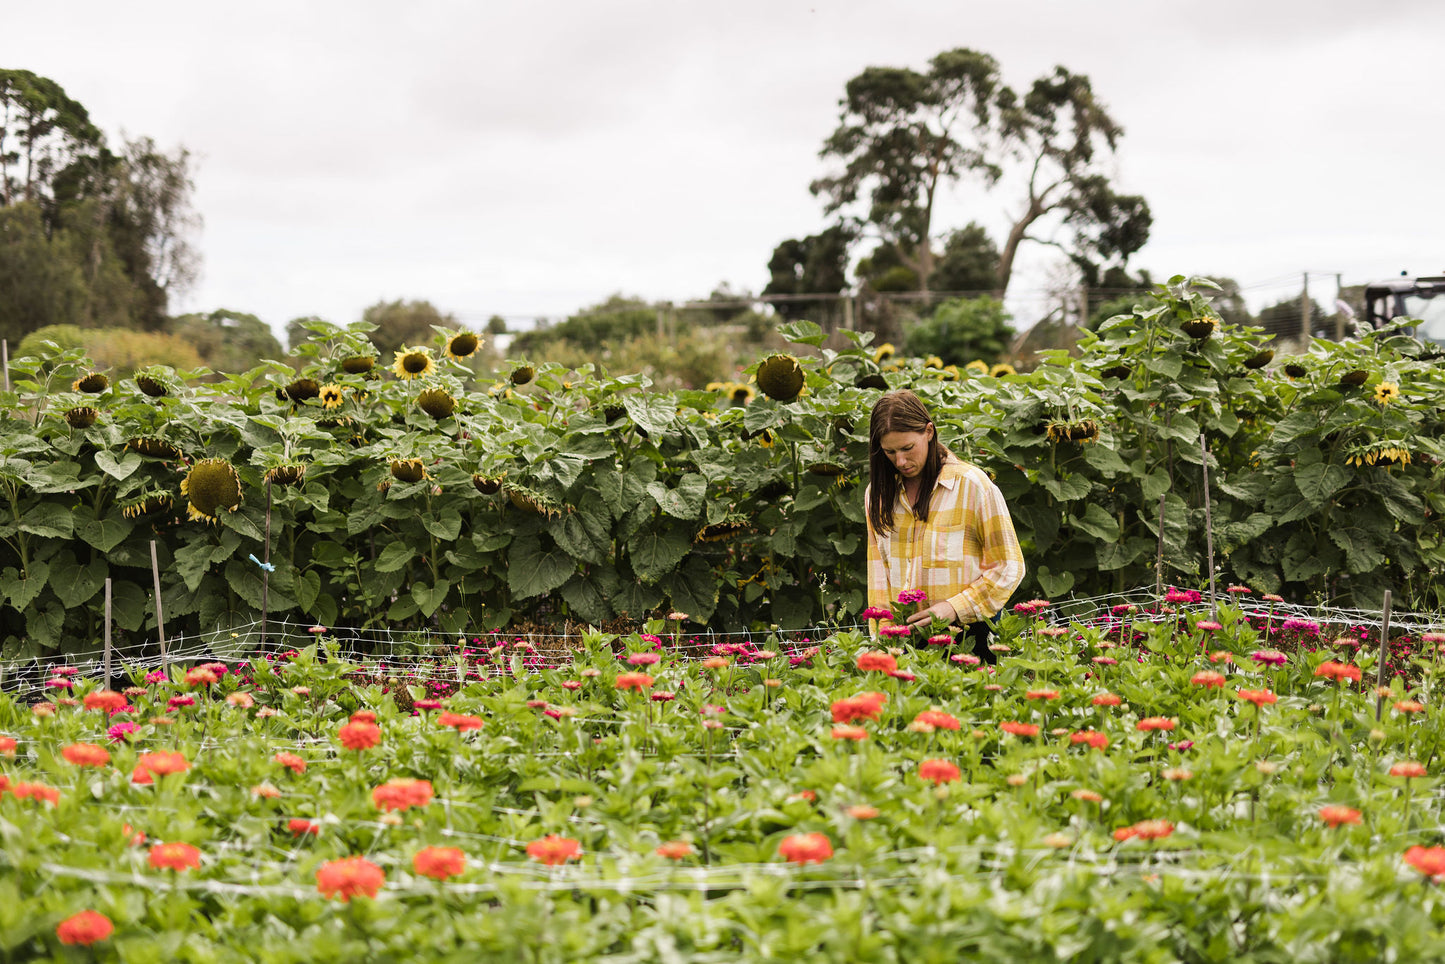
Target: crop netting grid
<point x="433" y="656"/>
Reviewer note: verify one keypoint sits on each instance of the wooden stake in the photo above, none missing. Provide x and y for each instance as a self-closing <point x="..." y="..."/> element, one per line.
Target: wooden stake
<point x="5" y="351"/>
<point x="1159" y="558"/>
<point x="1384" y="650"/>
<point x="107" y="632"/>
<point x="1208" y="525"/>
<point x="160" y="616"/>
<point x="265" y="571"/>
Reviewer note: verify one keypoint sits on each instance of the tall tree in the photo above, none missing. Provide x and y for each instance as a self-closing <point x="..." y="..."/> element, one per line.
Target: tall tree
<point x="814" y="265"/>
<point x="902" y="137"/>
<point x="401" y="324"/>
<point x="42" y="133"/>
<point x="228" y="341"/>
<point x="969" y="261"/>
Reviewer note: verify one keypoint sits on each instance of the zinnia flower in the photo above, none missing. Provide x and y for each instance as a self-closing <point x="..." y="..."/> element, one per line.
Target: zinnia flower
<point x="1088" y="796"/>
<point x="1042" y="694"/>
<point x="162" y="762"/>
<point x="85" y="928"/>
<point x="937" y="719"/>
<point x="675" y="850"/>
<point x="349" y="877"/>
<point x="939" y="772"/>
<point x="862" y="812"/>
<point x="36" y="791"/>
<point x="1334" y="815"/>
<point x="874" y="660"/>
<point x="359" y="735"/>
<point x="1094" y="738"/>
<point x="7" y="746"/>
<point x="291" y="761"/>
<point x="806" y="848"/>
<point x="242" y="701"/>
<point x="554" y="850"/>
<point x="1270" y="657"/>
<point x="1338" y="671"/>
<point x="1408" y="768"/>
<point x="107" y="700"/>
<point x="301" y="827"/>
<point x="402" y="793"/>
<point x="643" y="659"/>
<point x="1106" y="699"/>
<point x="439" y="863"/>
<point x="633" y="681"/>
<point x="845" y="731"/>
<point x="896" y="630"/>
<point x="179" y="857"/>
<point x="910" y="596"/>
<point x="1409" y="706"/>
<point x="461" y="722"/>
<point x="1154" y="723"/>
<point x="1207" y="678"/>
<point x="86" y="755"/>
<point x="200" y="676"/>
<point x="877" y="612"/>
<point x="1258" y="697"/>
<point x="865" y="706"/>
<point x="1430" y="861"/>
<point x="1019" y="729"/>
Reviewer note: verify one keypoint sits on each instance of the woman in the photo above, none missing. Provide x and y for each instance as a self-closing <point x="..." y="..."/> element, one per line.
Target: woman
<point x="936" y="524"/>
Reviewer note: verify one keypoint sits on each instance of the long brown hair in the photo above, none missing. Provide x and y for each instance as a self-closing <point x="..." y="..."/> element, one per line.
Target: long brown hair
<point x="899" y="411"/>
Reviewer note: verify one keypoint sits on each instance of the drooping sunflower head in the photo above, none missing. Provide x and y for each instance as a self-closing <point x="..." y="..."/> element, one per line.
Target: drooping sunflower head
<point x="1002" y="369"/>
<point x="872" y="380"/>
<point x="284" y="475"/>
<point x="1199" y="327"/>
<point x="463" y="344"/>
<point x="358" y="364"/>
<point x="407" y="470"/>
<point x="721" y="531"/>
<point x="740" y="394"/>
<point x="1259" y="359"/>
<point x="156" y="448"/>
<point x="1354" y="378"/>
<point x="212" y="486"/>
<point x="332" y="395"/>
<point x="303" y="389"/>
<point x="530" y="500"/>
<point x="150" y="385"/>
<point x="436" y="402"/>
<point x="413" y="363"/>
<point x="1386" y="392"/>
<point x="487" y="484"/>
<point x="523" y="374"/>
<point x="150" y="504"/>
<point x="884" y="352"/>
<point x="1294" y="370"/>
<point x="92" y="383"/>
<point x="781" y="377"/>
<point x="826" y="469"/>
<point x="82" y="416"/>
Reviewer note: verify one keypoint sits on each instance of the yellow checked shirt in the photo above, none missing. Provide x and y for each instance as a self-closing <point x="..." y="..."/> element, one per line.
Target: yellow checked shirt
<point x="967" y="551"/>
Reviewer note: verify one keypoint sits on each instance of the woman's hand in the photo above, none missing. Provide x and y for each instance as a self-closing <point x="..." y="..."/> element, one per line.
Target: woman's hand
<point x="941" y="610"/>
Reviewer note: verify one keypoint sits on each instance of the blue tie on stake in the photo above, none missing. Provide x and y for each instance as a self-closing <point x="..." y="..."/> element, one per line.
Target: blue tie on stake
<point x="264" y="565"/>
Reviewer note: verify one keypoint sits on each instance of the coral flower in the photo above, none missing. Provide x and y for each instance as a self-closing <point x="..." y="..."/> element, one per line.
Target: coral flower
<point x="806" y="848"/>
<point x="265" y="791"/>
<point x="1258" y="697"/>
<point x="85" y="928"/>
<point x="715" y="662"/>
<point x="7" y="746"/>
<point x="1208" y="625"/>
<point x="175" y="856"/>
<point x="1430" y="861"/>
<point x="1154" y="723"/>
<point x="200" y="676"/>
<point x="1338" y="671"/>
<point x="1042" y="695"/>
<point x="874" y="660"/>
<point x="1207" y="678"/>
<point x="937" y="719"/>
<point x="461" y="722"/>
<point x="1019" y="729"/>
<point x="1106" y="699"/>
<point x="939" y="772"/>
<point x="291" y="762"/>
<point x="1088" y="796"/>
<point x="1221" y="656"/>
<point x="865" y="706"/>
<point x="162" y="762"/>
<point x="363" y="716"/>
<point x="553" y="850"/>
<point x="1177" y="773"/>
<point x="675" y="850"/>
<point x="1094" y="738"/>
<point x="633" y="681"/>
<point x="301" y="827"/>
<point x="36" y="791"/>
<point x="402" y="793"/>
<point x="862" y="812"/>
<point x="359" y="735"/>
<point x="107" y="700"/>
<point x="349" y="877"/>
<point x="643" y="659"/>
<point x="1409" y="706"/>
<point x="1334" y="815"/>
<point x="845" y="731"/>
<point x="1408" y="768"/>
<point x="1153" y="829"/>
<point x="86" y="755"/>
<point x="243" y="701"/>
<point x="439" y="863"/>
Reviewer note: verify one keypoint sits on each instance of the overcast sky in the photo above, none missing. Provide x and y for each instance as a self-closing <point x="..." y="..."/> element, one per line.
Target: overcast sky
<point x="524" y="157"/>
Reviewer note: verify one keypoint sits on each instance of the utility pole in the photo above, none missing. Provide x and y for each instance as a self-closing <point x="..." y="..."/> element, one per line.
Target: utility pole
<point x="1304" y="322"/>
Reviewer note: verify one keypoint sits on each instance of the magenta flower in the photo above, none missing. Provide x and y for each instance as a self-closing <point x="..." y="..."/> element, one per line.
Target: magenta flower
<point x="122" y="731"/>
<point x="910" y="596"/>
<point x="877" y="612"/>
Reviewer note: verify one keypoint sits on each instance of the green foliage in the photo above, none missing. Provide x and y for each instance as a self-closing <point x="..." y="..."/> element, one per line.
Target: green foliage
<point x="962" y="330"/>
<point x="228" y="341"/>
<point x="969" y="261"/>
<point x="814" y="265"/>
<point x="397" y="324"/>
<point x="121" y="350"/>
<point x="614" y="321"/>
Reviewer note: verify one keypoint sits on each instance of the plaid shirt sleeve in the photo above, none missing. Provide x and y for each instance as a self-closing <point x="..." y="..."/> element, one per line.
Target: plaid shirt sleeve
<point x="1001" y="559"/>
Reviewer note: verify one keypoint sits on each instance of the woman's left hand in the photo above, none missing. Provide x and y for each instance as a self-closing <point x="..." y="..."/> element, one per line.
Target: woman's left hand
<point x="942" y="610"/>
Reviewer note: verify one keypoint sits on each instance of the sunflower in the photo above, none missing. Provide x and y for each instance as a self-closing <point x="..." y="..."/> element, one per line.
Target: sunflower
<point x="407" y="470"/>
<point x="152" y="503"/>
<point x="1259" y="359"/>
<point x="720" y="531"/>
<point x="529" y="500"/>
<point x="1199" y="328"/>
<point x="977" y="365"/>
<point x="332" y="395"/>
<point x="487" y="484"/>
<point x="92" y="383"/>
<point x="781" y="377"/>
<point x="82" y="416"/>
<point x="151" y="385"/>
<point x="826" y="469"/>
<point x="289" y="474"/>
<point x="436" y="402"/>
<point x="413" y="363"/>
<point x="933" y="361"/>
<point x="463" y="344"/>
<point x="1386" y="392"/>
<point x="872" y="380"/>
<point x="1002" y="369"/>
<point x="1293" y="370"/>
<point x="1382" y="454"/>
<point x="740" y="394"/>
<point x="1116" y="371"/>
<point x="358" y="364"/>
<point x="1354" y="378"/>
<point x="951" y="373"/>
<point x="211" y="486"/>
<point x="157" y="448"/>
<point x="523" y="374"/>
<point x="303" y="389"/>
<point x="884" y="352"/>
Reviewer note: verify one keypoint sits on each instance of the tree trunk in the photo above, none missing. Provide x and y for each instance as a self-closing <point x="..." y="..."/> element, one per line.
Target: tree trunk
<point x="1011" y="246"/>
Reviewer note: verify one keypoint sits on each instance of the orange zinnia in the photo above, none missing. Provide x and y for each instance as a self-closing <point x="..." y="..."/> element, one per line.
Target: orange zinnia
<point x="107" y="700"/>
<point x="402" y="793"/>
<point x="937" y="719"/>
<point x="300" y="827"/>
<point x="1207" y="678"/>
<point x="1258" y="697"/>
<point x="874" y="660"/>
<point x="439" y="863"/>
<point x="1338" y="671"/>
<point x="291" y="762"/>
<point x="633" y="681"/>
<point x="36" y="791"/>
<point x="939" y="772"/>
<point x="675" y="850"/>
<point x="86" y="755"/>
<point x="175" y="856"/>
<point x="1430" y="861"/>
<point x="1409" y="706"/>
<point x="806" y="848"/>
<point x="1019" y="729"/>
<point x="1042" y="695"/>
<point x="1106" y="699"/>
<point x="359" y="735"/>
<point x="1094" y="738"/>
<point x="1335" y="814"/>
<point x="349" y="877"/>
<point x="461" y="722"/>
<point x="554" y="849"/>
<point x="1408" y="768"/>
<point x="162" y="762"/>
<point x="85" y="928"/>
<point x="1154" y="723"/>
<point x="845" y="731"/>
<point x="865" y="706"/>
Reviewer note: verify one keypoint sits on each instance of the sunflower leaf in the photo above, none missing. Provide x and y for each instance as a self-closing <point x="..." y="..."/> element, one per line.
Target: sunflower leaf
<point x="393" y="557"/>
<point x="531" y="571"/>
<point x="118" y="468"/>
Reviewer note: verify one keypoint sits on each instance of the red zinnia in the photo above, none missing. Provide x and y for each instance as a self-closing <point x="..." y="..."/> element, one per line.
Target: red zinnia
<point x="1106" y="699"/>
<point x="863" y="706"/>
<point x="402" y="793"/>
<point x="874" y="660"/>
<point x="1019" y="729"/>
<point x="7" y="746"/>
<point x="1430" y="861"/>
<point x="554" y="849"/>
<point x="86" y="755"/>
<point x="107" y="700"/>
<point x="460" y="721"/>
<point x="1338" y="671"/>
<point x="675" y="850"/>
<point x="300" y="827"/>
<point x="85" y="928"/>
<point x="350" y="877"/>
<point x="175" y="856"/>
<point x="806" y="848"/>
<point x="1258" y="697"/>
<point x="37" y="791"/>
<point x="363" y="716"/>
<point x="1153" y="829"/>
<point x="1154" y="723"/>
<point x="359" y="735"/>
<point x="291" y="761"/>
<point x="1094" y="738"/>
<point x="439" y="863"/>
<point x="1334" y="815"/>
<point x="939" y="772"/>
<point x="844" y="731"/>
<point x="1409" y="768"/>
<point x="633" y="681"/>
<point x="937" y="719"/>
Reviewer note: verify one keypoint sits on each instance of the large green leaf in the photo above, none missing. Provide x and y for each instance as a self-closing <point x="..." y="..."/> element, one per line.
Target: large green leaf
<point x="584" y="534"/>
<point x="1097" y="522"/>
<point x="22" y="592"/>
<point x="655" y="414"/>
<point x="48" y="520"/>
<point x="532" y="571"/>
<point x="429" y="598"/>
<point x="586" y="600"/>
<point x="685" y="501"/>
<point x="118" y="468"/>
<point x="104" y="534"/>
<point x="693" y="589"/>
<point x="656" y="549"/>
<point x="445" y="525"/>
<point x="74" y="584"/>
<point x="393" y="557"/>
<point x="1320" y="481"/>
